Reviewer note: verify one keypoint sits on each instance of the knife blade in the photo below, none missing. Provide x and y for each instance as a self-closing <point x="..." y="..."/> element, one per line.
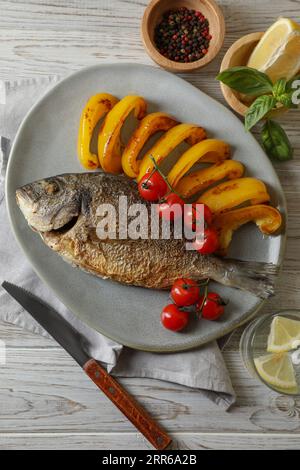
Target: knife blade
<point x="51" y="321"/>
<point x="73" y="343"/>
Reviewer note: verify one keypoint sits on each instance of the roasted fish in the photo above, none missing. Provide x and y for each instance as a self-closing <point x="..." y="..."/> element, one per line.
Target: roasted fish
<point x="63" y="209"/>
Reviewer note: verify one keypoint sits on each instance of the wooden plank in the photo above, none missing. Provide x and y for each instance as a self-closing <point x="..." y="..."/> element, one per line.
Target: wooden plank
<point x="132" y="441"/>
<point x="92" y="30"/>
<point x="18" y="338"/>
<point x="45" y="391"/>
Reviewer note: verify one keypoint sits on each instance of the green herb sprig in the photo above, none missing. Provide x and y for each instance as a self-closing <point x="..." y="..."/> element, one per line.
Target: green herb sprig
<point x="267" y="96"/>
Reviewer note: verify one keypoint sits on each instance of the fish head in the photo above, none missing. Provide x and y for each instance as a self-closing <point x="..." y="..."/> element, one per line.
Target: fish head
<point x="50" y="203"/>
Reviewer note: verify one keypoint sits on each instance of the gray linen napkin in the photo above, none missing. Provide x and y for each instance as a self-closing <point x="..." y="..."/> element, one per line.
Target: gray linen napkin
<point x="203" y="368"/>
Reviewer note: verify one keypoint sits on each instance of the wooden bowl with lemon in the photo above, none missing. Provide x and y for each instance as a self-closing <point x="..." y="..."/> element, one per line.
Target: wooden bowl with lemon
<point x="275" y="52"/>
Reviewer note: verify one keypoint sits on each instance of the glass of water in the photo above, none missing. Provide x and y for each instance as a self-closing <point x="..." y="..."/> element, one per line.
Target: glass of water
<point x="253" y="344"/>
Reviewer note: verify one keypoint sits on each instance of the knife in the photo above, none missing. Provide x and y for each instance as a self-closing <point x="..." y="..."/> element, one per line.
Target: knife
<point x="72" y="342"/>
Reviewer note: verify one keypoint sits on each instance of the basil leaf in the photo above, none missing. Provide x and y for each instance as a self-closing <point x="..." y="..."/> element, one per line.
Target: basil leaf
<point x="261" y="106"/>
<point x="279" y="87"/>
<point x="287" y="100"/>
<point x="276" y="142"/>
<point x="246" y="80"/>
<point x="283" y="92"/>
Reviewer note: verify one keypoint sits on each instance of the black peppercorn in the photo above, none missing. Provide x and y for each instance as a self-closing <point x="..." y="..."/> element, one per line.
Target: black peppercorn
<point x="183" y="35"/>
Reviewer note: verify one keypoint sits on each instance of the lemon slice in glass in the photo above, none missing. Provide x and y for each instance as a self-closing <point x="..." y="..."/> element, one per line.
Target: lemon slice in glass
<point x="278" y="52"/>
<point x="277" y="370"/>
<point x="284" y="335"/>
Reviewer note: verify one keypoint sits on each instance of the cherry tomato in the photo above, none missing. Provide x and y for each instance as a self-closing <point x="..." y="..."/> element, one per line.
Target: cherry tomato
<point x="185" y="292"/>
<point x="152" y="187"/>
<point x="171" y="208"/>
<point x="193" y="216"/>
<point x="213" y="307"/>
<point x="209" y="244"/>
<point x="174" y="319"/>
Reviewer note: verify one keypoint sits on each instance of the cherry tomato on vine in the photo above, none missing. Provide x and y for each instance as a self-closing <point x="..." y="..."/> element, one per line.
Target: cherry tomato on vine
<point x="213" y="306"/>
<point x="185" y="292"/>
<point x="193" y="215"/>
<point x="207" y="244"/>
<point x="171" y="208"/>
<point x="152" y="187"/>
<point x="174" y="319"/>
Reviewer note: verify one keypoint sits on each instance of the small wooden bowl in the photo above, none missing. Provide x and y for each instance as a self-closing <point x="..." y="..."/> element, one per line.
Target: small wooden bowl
<point x="153" y="15"/>
<point x="238" y="54"/>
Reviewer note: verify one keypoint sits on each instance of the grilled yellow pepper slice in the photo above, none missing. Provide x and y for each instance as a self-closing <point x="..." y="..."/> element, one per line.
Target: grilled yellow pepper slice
<point x="267" y="218"/>
<point x="209" y="150"/>
<point x="109" y="156"/>
<point x="94" y="110"/>
<point x="189" y="132"/>
<point x="151" y="124"/>
<point x="233" y="193"/>
<point x="201" y="179"/>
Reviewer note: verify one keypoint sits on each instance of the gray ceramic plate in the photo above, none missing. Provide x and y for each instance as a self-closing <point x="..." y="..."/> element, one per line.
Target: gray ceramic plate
<point x="46" y="145"/>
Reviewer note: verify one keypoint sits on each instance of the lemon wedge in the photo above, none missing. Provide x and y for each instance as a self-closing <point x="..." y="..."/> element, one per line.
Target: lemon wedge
<point x="284" y="335"/>
<point x="277" y="370"/>
<point x="278" y="52"/>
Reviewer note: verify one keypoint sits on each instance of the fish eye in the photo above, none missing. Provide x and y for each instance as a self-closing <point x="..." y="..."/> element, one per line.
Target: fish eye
<point x="51" y="187"/>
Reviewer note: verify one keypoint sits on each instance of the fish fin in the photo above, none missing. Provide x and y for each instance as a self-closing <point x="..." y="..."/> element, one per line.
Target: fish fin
<point x="252" y="276"/>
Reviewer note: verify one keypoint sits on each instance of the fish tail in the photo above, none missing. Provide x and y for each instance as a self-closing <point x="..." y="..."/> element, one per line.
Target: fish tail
<point x="252" y="276"/>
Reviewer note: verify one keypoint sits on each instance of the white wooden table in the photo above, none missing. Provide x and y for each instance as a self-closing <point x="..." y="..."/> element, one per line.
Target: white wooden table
<point x="45" y="399"/>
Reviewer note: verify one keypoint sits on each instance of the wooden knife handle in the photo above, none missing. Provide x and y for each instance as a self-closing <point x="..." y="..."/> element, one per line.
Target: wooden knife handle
<point x="126" y="403"/>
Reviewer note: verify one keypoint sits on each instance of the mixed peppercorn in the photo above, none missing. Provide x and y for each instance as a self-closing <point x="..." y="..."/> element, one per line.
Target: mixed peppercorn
<point x="183" y="35"/>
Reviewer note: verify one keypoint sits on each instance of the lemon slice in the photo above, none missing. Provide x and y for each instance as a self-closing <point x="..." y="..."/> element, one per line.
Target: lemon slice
<point x="284" y="335"/>
<point x="278" y="52"/>
<point x="277" y="370"/>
